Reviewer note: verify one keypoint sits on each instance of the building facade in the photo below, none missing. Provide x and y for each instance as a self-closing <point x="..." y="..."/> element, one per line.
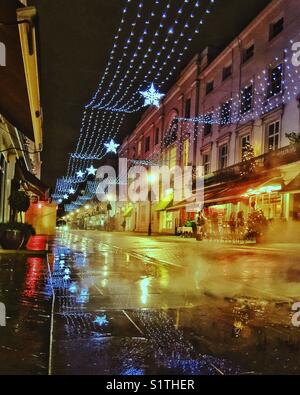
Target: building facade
<point x="231" y="114"/>
<point x="20" y="107"/>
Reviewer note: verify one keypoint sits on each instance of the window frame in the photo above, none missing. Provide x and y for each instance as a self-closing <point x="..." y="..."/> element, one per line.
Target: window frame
<point x="205" y="163"/>
<point x="209" y="87"/>
<point x="147" y="145"/>
<point x="247" y="54"/>
<point x="225" y="73"/>
<point x="246" y="136"/>
<point x="221" y="156"/>
<point x="268" y="126"/>
<point x="208" y="125"/>
<point x="244" y="111"/>
<point x="271" y="93"/>
<point x="229" y="104"/>
<point x="273" y="32"/>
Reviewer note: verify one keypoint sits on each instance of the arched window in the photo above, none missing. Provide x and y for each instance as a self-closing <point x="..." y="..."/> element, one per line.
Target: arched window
<point x="172" y="129"/>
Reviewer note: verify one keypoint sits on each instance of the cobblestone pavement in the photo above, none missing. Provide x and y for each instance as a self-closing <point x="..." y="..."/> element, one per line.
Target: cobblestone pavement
<point x="133" y="305"/>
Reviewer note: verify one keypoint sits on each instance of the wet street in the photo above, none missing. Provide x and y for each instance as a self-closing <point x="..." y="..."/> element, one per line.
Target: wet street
<point x="133" y="305"/>
<point x="127" y="304"/>
<point x="26" y="293"/>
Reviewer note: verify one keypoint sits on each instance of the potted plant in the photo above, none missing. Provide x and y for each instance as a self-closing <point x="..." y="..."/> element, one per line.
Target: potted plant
<point x="14" y="235"/>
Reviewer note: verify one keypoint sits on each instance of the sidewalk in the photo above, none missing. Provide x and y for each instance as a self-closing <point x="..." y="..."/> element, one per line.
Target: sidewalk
<point x="25" y="292"/>
<point x="290" y="248"/>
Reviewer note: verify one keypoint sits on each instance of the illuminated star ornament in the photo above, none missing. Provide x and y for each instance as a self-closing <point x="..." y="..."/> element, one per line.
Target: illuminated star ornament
<point x="91" y="171"/>
<point x="152" y="97"/>
<point x="66" y="196"/>
<point x="80" y="174"/>
<point x="72" y="191"/>
<point x="111" y="147"/>
<point x="101" y="320"/>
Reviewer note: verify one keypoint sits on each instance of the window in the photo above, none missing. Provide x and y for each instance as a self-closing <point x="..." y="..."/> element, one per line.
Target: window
<point x="206" y="163"/>
<point x="173" y="158"/>
<point x="276" y="28"/>
<point x="225" y="116"/>
<point x="273" y="130"/>
<point x="227" y="71"/>
<point x="246" y="101"/>
<point x="139" y="148"/>
<point x="170" y="158"/>
<point x="133" y="153"/>
<point x="186" y="149"/>
<point x="275" y="82"/>
<point x="188" y="108"/>
<point x="171" y="135"/>
<point x="248" y="53"/>
<point x="245" y="140"/>
<point x="208" y="124"/>
<point x="156" y="136"/>
<point x="209" y="87"/>
<point x="167" y="220"/>
<point x="147" y="144"/>
<point x="223" y="156"/>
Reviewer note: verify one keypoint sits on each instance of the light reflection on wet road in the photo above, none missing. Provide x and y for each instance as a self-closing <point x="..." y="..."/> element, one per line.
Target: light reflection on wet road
<point x="133" y="305"/>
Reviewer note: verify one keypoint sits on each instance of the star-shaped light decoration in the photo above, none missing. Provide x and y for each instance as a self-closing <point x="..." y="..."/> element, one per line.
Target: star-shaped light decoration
<point x="80" y="174"/>
<point x="152" y="96"/>
<point x="66" y="196"/>
<point x="72" y="191"/>
<point x="101" y="320"/>
<point x="111" y="146"/>
<point x="91" y="171"/>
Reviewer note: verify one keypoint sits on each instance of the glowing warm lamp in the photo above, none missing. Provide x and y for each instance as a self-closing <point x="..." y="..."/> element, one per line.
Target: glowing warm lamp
<point x="151" y="178"/>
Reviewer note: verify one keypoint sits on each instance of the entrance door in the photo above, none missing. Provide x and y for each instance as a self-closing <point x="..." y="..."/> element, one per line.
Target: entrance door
<point x="296" y="210"/>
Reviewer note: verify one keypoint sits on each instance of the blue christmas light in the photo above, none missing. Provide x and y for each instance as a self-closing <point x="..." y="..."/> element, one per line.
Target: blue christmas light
<point x="91" y="171"/>
<point x="111" y="147"/>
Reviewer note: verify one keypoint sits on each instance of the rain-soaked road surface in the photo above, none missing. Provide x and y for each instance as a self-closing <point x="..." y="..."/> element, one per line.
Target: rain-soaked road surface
<point x="26" y="293"/>
<point x="133" y="305"/>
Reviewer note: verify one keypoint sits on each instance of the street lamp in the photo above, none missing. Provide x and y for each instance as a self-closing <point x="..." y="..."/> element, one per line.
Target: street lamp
<point x="151" y="180"/>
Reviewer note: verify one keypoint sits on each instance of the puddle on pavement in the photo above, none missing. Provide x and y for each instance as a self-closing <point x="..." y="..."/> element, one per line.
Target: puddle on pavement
<point x="24" y="289"/>
<point x="132" y="316"/>
<point x="117" y="313"/>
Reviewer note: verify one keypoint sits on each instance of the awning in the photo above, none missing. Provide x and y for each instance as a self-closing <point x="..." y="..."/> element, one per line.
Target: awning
<point x="293" y="186"/>
<point x="227" y="193"/>
<point x="164" y="203"/>
<point x="183" y="204"/>
<point x="128" y="212"/>
<point x="14" y="102"/>
<point x="31" y="182"/>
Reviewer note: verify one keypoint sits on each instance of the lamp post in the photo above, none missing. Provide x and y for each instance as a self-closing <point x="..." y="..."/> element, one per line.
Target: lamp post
<point x="151" y="180"/>
<point x="150" y="217"/>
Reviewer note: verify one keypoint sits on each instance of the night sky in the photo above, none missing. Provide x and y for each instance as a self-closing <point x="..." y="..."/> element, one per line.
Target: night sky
<point x="75" y="38"/>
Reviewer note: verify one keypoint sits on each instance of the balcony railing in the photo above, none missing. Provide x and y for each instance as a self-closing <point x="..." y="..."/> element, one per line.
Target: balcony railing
<point x="268" y="161"/>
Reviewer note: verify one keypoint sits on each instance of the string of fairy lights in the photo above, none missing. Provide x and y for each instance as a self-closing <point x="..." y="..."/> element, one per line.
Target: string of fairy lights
<point x="120" y="88"/>
<point x="275" y="85"/>
<point x="270" y="88"/>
